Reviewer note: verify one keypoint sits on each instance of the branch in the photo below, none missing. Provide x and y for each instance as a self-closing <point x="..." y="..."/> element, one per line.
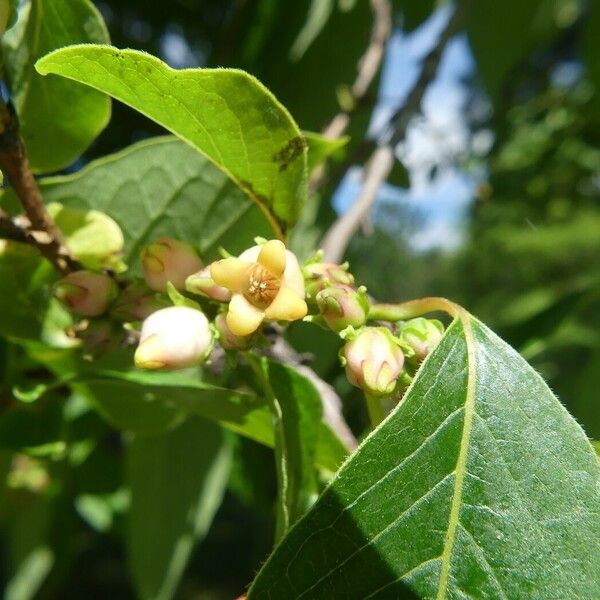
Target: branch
<point x="14" y="163"/>
<point x="368" y="66"/>
<point x="338" y="236"/>
<point x="9" y="230"/>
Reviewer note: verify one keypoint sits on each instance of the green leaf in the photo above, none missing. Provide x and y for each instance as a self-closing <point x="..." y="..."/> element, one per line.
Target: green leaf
<point x="296" y="410"/>
<point x="29" y="310"/>
<point x="121" y="394"/>
<point x="177" y="483"/>
<point x="151" y="188"/>
<point x="478" y="485"/>
<point x="226" y="114"/>
<point x="321" y="148"/>
<point x="54" y="113"/>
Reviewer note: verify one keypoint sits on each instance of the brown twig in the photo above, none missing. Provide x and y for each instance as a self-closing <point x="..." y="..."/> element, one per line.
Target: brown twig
<point x="338" y="236"/>
<point x="368" y="66"/>
<point x="14" y="163"/>
<point x="9" y="230"/>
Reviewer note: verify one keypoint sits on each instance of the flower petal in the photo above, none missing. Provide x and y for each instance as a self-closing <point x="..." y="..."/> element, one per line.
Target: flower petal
<point x="287" y="306"/>
<point x="230" y="273"/>
<point x="243" y="318"/>
<point x="272" y="256"/>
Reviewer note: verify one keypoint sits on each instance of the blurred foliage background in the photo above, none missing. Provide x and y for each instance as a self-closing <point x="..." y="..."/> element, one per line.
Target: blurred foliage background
<point x="524" y="254"/>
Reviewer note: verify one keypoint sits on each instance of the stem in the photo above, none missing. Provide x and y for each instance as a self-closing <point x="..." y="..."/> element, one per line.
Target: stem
<point x="413" y="308"/>
<point x="15" y="165"/>
<point x="282" y="523"/>
<point x="375" y="408"/>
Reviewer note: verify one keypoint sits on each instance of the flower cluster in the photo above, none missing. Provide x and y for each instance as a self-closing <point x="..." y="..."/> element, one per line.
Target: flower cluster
<point x="265" y="283"/>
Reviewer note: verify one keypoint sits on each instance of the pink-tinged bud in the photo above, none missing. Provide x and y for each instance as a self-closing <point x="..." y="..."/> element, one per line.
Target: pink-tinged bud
<point x="422" y="335"/>
<point x="202" y="283"/>
<point x="86" y="293"/>
<point x="169" y="260"/>
<point x="136" y="302"/>
<point x="373" y="361"/>
<point x="318" y="276"/>
<point x="341" y="306"/>
<point x="227" y="339"/>
<point x="174" y="338"/>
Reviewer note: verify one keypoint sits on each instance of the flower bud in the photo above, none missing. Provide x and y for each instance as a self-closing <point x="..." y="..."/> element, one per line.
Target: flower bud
<point x="373" y="361"/>
<point x="318" y="276"/>
<point x="227" y="339"/>
<point x="136" y="302"/>
<point x="202" y="283"/>
<point x="86" y="293"/>
<point x="174" y="338"/>
<point x="99" y="337"/>
<point x="341" y="306"/>
<point x="422" y="335"/>
<point x="169" y="260"/>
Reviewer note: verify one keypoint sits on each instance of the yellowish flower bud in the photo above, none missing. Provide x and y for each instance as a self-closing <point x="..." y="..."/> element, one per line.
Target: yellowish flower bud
<point x="319" y="276"/>
<point x="227" y="339"/>
<point x="86" y="293"/>
<point x="202" y="283"/>
<point x="174" y="338"/>
<point x="169" y="260"/>
<point x="266" y="284"/>
<point x="373" y="361"/>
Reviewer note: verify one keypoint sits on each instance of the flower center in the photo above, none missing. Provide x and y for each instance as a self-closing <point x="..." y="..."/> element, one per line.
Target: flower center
<point x="261" y="287"/>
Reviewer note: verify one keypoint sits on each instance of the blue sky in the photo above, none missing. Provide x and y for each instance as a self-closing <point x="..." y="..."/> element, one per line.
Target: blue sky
<point x="437" y="138"/>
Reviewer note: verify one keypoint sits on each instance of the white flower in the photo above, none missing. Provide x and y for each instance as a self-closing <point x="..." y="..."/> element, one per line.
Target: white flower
<point x="174" y="338"/>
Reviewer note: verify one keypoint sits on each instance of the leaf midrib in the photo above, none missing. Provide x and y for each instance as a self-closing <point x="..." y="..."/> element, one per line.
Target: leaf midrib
<point x="461" y="463"/>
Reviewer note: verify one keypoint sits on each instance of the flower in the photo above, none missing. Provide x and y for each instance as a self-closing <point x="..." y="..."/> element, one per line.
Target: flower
<point x="167" y="260"/>
<point x="373" y="360"/>
<point x="421" y="335"/>
<point x="174" y="338"/>
<point x="86" y="293"/>
<point x="266" y="283"/>
<point x="136" y="302"/>
<point x="227" y="339"/>
<point x="202" y="283"/>
<point x="318" y="276"/>
<point x="342" y="306"/>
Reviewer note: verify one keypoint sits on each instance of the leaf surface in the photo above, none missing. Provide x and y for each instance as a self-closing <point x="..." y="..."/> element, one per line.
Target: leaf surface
<point x="54" y="113"/>
<point x="151" y="188"/>
<point x="478" y="485"/>
<point x="177" y="483"/>
<point x="226" y="114"/>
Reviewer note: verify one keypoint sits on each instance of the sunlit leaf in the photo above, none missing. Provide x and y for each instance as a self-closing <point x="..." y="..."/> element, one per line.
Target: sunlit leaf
<point x="479" y="484"/>
<point x="226" y="114"/>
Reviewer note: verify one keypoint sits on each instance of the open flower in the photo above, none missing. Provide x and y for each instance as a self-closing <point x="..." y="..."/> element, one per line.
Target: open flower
<point x="174" y="338"/>
<point x="266" y="283"/>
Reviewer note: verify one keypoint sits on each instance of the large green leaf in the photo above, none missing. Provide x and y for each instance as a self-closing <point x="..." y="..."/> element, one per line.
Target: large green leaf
<point x="151" y="188"/>
<point x="177" y="483"/>
<point x="164" y="397"/>
<point x="226" y="114"/>
<point x="54" y="113"/>
<point x="478" y="485"/>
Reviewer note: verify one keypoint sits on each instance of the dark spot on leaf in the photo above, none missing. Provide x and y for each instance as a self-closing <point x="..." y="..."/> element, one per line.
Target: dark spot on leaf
<point x="290" y="152"/>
